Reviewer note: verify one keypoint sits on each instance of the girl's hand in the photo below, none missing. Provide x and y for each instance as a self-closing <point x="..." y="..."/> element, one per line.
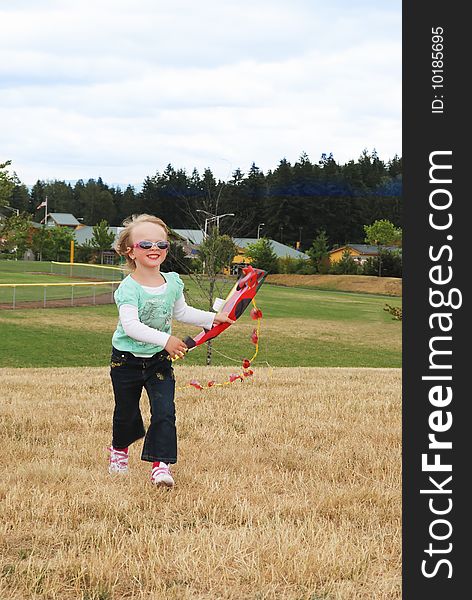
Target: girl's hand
<point x="222" y="317"/>
<point x="175" y="347"/>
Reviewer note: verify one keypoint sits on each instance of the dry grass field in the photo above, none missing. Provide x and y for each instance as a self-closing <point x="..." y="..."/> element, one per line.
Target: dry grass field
<point x="288" y="487"/>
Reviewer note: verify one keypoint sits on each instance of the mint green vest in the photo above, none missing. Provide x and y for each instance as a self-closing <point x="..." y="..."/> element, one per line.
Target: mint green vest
<point x="153" y="310"/>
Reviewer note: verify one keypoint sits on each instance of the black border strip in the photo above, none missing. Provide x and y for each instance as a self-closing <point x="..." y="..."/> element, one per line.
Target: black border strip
<point x="430" y="536"/>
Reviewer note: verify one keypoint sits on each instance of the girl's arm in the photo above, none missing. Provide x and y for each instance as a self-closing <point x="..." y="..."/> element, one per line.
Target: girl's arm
<point x="192" y="316"/>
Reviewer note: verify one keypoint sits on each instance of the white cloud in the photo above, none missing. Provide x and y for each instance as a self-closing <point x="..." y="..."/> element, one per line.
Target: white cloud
<point x="121" y="88"/>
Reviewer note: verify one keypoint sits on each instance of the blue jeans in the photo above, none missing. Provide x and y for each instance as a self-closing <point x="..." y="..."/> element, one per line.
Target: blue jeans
<point x="129" y="374"/>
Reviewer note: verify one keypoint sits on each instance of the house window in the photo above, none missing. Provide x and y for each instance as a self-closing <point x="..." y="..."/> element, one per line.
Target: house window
<point x="108" y="258"/>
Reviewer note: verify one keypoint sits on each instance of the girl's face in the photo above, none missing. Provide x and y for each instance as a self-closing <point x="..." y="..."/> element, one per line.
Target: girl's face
<point x="152" y="257"/>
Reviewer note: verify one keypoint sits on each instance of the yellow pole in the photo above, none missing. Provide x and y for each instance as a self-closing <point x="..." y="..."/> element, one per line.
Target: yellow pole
<point x="71" y="251"/>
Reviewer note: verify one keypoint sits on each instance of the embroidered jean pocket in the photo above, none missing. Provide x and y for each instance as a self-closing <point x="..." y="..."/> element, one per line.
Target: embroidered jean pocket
<point x="118" y="359"/>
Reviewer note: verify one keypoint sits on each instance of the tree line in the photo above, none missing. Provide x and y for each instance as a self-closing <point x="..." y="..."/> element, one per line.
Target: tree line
<point x="291" y="203"/>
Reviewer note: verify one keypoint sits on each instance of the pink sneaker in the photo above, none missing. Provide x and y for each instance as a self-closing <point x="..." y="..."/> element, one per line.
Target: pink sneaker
<point x="160" y="475"/>
<point x="118" y="461"/>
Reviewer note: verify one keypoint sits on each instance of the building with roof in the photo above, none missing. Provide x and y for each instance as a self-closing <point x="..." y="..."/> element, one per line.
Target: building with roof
<point x="359" y="252"/>
<point x="194" y="238"/>
<point x="84" y="234"/>
<point x="280" y="250"/>
<point x="61" y="220"/>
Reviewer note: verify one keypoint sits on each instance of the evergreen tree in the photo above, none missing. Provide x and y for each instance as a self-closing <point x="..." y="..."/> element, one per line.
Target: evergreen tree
<point x="102" y="238"/>
<point x="395" y="167"/>
<point x="128" y="205"/>
<point x="41" y="243"/>
<point x="149" y="201"/>
<point x="117" y="195"/>
<point x="60" y="239"/>
<point x="7" y="184"/>
<point x="237" y="176"/>
<point x="338" y="199"/>
<point x="346" y="266"/>
<point x="20" y="198"/>
<point x="318" y="253"/>
<point x="253" y="192"/>
<point x="178" y="198"/>
<point x="60" y="197"/>
<point x="38" y="196"/>
<point x="372" y="169"/>
<point x="262" y="255"/>
<point x="95" y="202"/>
<point x="279" y="206"/>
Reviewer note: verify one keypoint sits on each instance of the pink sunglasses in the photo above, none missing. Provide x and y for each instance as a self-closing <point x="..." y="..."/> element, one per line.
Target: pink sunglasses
<point x="147" y="245"/>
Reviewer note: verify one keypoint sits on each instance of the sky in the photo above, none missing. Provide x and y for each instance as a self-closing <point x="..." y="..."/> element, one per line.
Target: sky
<point x="118" y="89"/>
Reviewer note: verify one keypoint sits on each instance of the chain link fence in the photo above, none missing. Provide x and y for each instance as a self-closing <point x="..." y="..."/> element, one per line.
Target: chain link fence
<point x="30" y="284"/>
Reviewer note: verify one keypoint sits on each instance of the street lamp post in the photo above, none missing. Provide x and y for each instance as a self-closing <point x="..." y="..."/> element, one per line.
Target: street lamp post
<point x="213" y="218"/>
<point x="259" y="229"/>
<point x="208" y="220"/>
<point x="220" y="217"/>
<point x="206" y="227"/>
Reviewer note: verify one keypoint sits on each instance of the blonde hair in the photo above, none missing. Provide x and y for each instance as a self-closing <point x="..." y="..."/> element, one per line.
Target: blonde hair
<point x="123" y="242"/>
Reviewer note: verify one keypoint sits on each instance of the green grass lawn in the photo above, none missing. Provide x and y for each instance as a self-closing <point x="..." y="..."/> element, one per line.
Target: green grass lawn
<point x="24" y="266"/>
<point x="301" y="327"/>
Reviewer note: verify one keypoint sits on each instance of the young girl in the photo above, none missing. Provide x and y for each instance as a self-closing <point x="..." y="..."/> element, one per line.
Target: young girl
<point x="143" y="347"/>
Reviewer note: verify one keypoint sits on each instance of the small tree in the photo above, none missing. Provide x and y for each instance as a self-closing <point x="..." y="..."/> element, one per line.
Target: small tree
<point x="7" y="183"/>
<point x="60" y="242"/>
<point x="15" y="232"/>
<point x="318" y="253"/>
<point x="216" y="252"/>
<point x="262" y="255"/>
<point x="41" y="242"/>
<point x="382" y="233"/>
<point x="102" y="238"/>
